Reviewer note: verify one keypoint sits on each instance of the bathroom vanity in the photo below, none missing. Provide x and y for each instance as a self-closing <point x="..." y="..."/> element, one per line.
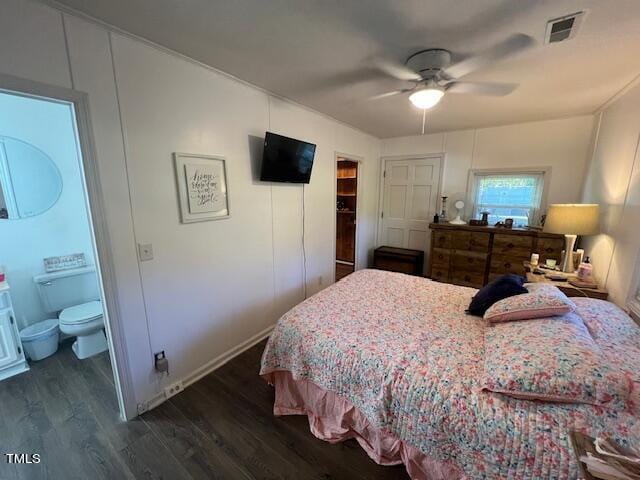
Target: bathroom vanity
<point x="12" y="361"/>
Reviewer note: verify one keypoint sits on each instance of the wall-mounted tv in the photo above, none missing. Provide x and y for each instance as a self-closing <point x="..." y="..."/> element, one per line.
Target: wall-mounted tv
<point x="286" y="159"/>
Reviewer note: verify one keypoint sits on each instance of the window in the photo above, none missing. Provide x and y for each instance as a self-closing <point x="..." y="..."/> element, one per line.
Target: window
<point x="508" y="195"/>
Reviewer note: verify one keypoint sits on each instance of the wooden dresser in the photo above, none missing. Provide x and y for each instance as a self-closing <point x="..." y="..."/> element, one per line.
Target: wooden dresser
<point x="474" y="256"/>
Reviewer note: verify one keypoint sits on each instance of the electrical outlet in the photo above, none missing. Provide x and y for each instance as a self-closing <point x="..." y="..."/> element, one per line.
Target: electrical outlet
<point x="160" y="362"/>
<point x="173" y="389"/>
<point x="145" y="252"/>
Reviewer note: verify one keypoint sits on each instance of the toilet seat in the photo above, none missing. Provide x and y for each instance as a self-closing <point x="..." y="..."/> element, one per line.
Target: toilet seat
<point x="80" y="314"/>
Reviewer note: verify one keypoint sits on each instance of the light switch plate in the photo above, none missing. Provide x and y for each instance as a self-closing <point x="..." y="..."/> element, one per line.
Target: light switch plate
<point x="145" y="251"/>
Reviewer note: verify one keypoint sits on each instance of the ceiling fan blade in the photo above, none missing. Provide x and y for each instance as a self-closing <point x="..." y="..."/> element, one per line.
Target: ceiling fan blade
<point x="511" y="46"/>
<point x="481" y="88"/>
<point x="396" y="70"/>
<point x="390" y="94"/>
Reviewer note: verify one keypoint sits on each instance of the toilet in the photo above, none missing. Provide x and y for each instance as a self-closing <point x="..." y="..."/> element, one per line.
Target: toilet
<point x="74" y="294"/>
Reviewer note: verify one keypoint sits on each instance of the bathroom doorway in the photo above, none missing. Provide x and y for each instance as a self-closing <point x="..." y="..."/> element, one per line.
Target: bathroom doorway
<point x="57" y="342"/>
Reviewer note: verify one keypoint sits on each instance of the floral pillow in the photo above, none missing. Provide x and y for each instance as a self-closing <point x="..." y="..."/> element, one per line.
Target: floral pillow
<point x="551" y="359"/>
<point x="541" y="301"/>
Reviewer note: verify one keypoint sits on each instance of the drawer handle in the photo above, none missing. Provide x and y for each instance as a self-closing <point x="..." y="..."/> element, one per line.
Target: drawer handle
<point x="440" y="256"/>
<point x="467" y="278"/>
<point x="510" y="245"/>
<point x="507" y="265"/>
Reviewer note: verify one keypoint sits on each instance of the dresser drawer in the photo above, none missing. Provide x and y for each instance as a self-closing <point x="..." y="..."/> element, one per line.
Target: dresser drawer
<point x="503" y="264"/>
<point x="440" y="274"/>
<point x="440" y="257"/>
<point x="512" y="244"/>
<point x="468" y="279"/>
<point x="549" y="248"/>
<point x="469" y="262"/>
<point x="441" y="239"/>
<point x="471" y="241"/>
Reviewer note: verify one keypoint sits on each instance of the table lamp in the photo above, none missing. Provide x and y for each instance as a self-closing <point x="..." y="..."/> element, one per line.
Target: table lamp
<point x="571" y="220"/>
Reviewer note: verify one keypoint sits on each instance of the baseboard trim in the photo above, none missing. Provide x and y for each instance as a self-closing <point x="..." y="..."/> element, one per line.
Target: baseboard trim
<point x="156" y="400"/>
<point x="220" y="360"/>
<point x="212" y="365"/>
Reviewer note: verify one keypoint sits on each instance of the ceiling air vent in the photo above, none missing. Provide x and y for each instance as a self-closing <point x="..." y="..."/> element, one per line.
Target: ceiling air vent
<point x="563" y="28"/>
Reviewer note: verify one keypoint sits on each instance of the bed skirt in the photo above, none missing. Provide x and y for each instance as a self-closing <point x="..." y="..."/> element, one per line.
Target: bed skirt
<point x="334" y="419"/>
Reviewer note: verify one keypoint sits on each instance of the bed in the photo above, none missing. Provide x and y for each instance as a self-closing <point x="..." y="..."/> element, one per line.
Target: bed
<point x="394" y="362"/>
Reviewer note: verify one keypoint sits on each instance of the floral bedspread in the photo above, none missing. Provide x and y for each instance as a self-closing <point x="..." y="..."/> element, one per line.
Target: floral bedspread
<point x="402" y="350"/>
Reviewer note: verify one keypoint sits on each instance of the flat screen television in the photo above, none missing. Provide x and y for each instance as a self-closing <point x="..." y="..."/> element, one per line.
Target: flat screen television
<point x="286" y="159"/>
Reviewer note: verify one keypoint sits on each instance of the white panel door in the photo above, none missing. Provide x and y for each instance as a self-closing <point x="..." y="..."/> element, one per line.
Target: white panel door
<point x="8" y="347"/>
<point x="409" y="202"/>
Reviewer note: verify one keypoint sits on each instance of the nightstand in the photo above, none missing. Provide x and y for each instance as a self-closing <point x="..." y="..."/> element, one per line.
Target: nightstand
<point x="565" y="287"/>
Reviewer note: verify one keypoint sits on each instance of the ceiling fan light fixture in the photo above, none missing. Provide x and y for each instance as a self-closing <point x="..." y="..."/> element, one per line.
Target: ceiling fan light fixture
<point x="426" y="98"/>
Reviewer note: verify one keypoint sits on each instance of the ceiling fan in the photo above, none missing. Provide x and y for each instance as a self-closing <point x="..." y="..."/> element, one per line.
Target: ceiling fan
<point x="433" y="74"/>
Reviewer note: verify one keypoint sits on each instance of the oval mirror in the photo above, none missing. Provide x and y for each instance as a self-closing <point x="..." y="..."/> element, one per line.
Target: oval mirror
<point x="30" y="182"/>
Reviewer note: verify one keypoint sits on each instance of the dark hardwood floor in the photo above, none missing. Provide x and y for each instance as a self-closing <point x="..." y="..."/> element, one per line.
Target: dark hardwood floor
<point x="219" y="428"/>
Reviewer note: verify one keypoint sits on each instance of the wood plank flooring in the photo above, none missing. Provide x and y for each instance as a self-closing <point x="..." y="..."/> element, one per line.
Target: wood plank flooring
<point x="219" y="428"/>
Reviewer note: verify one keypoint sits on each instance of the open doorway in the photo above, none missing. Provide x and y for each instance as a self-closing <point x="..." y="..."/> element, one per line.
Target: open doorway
<point x="347" y="172"/>
<point x="56" y="350"/>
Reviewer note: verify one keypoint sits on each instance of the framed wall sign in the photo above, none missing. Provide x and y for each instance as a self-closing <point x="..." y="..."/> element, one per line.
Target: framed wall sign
<point x="202" y="187"/>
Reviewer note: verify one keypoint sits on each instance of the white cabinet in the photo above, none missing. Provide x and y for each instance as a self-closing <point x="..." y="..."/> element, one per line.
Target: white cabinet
<point x="8" y="351"/>
<point x="12" y="359"/>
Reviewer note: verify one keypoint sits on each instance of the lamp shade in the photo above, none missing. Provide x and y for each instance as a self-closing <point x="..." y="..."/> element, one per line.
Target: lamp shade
<point x="573" y="219"/>
<point x="426" y="98"/>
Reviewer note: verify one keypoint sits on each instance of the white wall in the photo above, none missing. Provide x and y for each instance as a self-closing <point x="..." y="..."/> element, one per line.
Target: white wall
<point x="211" y="285"/>
<point x="61" y="230"/>
<point x="613" y="181"/>
<point x="563" y="145"/>
<point x="232" y="278"/>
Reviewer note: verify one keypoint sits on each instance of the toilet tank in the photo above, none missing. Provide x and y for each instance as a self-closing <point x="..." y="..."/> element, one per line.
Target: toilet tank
<point x="59" y="290"/>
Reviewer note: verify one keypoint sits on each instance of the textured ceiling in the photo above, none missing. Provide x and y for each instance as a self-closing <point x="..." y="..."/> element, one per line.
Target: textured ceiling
<point x="319" y="52"/>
